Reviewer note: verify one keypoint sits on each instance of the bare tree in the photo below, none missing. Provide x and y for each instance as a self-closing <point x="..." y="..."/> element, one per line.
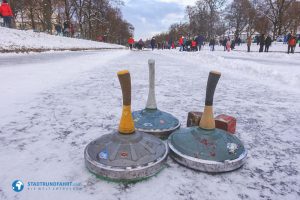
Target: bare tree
<point x="239" y="15"/>
<point x="204" y="17"/>
<point x="214" y="8"/>
<point x="275" y="11"/>
<point x="93" y="18"/>
<point x="262" y="25"/>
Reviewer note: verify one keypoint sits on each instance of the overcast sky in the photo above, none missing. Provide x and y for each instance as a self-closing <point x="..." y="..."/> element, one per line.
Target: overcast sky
<point x="154" y="16"/>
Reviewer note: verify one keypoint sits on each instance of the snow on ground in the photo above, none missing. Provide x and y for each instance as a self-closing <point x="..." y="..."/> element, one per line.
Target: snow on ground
<point x="19" y="40"/>
<point x="26" y="74"/>
<point x="45" y="136"/>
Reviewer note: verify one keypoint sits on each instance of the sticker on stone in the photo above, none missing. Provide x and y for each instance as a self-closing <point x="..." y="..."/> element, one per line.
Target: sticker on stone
<point x="103" y="155"/>
<point x="232" y="147"/>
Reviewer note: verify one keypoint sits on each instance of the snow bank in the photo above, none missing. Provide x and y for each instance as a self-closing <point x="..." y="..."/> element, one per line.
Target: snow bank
<point x="13" y="40"/>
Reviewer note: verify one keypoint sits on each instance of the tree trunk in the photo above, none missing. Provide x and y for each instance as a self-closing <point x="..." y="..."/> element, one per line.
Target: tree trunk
<point x="31" y="14"/>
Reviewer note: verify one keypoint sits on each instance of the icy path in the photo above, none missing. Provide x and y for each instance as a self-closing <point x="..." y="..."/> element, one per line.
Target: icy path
<point x="44" y="138"/>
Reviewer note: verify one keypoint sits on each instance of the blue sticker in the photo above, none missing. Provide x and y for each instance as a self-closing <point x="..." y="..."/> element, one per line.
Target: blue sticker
<point x="103" y="155"/>
<point x="17" y="186"/>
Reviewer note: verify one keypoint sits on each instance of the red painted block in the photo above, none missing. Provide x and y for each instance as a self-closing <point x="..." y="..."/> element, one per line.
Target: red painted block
<point x="226" y="122"/>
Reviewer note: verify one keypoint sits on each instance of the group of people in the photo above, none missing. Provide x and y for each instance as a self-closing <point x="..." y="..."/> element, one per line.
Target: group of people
<point x="265" y="42"/>
<point x="193" y="44"/>
<point x="66" y="30"/>
<point x="196" y="43"/>
<point x="6" y="13"/>
<point x="132" y="44"/>
<point x="167" y="44"/>
<point x="229" y="44"/>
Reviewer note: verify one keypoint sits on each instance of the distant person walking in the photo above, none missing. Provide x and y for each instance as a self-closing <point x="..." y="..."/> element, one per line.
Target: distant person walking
<point x="170" y="41"/>
<point x="268" y="43"/>
<point x="130" y="42"/>
<point x="212" y="43"/>
<point x="239" y="41"/>
<point x="173" y="45"/>
<point x="257" y="40"/>
<point x="200" y="41"/>
<point x="249" y="42"/>
<point x="232" y="44"/>
<point x="261" y="43"/>
<point x="153" y="42"/>
<point x="292" y="44"/>
<point x="58" y="29"/>
<point x="194" y="45"/>
<point x="180" y="42"/>
<point x="228" y="45"/>
<point x="224" y="43"/>
<point x="299" y="40"/>
<point x="185" y="44"/>
<point x="140" y="44"/>
<point x="66" y="31"/>
<point x="6" y="13"/>
<point x="288" y="37"/>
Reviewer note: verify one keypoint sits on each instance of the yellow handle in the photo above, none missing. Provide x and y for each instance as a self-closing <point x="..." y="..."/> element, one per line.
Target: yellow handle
<point x="126" y="125"/>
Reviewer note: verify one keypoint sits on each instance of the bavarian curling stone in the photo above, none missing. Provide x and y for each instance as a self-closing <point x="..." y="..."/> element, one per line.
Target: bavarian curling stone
<point x="152" y="120"/>
<point x="205" y="147"/>
<point x="126" y="154"/>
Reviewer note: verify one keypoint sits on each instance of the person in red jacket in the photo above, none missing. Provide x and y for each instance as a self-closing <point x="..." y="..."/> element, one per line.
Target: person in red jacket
<point x="292" y="44"/>
<point x="130" y="42"/>
<point x="6" y="13"/>
<point x="194" y="45"/>
<point x="180" y="42"/>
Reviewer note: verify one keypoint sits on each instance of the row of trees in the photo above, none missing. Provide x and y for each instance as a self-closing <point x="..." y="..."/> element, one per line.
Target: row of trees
<point x="91" y="18"/>
<point x="214" y="17"/>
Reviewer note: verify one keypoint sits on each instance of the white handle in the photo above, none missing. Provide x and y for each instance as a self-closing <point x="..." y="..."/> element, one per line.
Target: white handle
<point x="151" y="102"/>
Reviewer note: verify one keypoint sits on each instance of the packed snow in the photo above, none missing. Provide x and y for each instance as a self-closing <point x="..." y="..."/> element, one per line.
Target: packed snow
<point x="21" y="40"/>
<point x="56" y="103"/>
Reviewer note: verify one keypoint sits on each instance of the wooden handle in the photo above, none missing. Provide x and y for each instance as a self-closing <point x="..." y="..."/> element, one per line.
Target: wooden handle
<point x="151" y="102"/>
<point x="207" y="120"/>
<point x="212" y="82"/>
<point x="124" y="78"/>
<point x="126" y="125"/>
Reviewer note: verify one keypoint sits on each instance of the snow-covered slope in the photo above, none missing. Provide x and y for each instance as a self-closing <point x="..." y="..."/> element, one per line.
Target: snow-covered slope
<point x="19" y="40"/>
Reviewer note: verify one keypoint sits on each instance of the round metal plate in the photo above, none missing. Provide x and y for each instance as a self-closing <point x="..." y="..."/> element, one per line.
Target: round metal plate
<point x="155" y="122"/>
<point x="126" y="157"/>
<point x="207" y="150"/>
